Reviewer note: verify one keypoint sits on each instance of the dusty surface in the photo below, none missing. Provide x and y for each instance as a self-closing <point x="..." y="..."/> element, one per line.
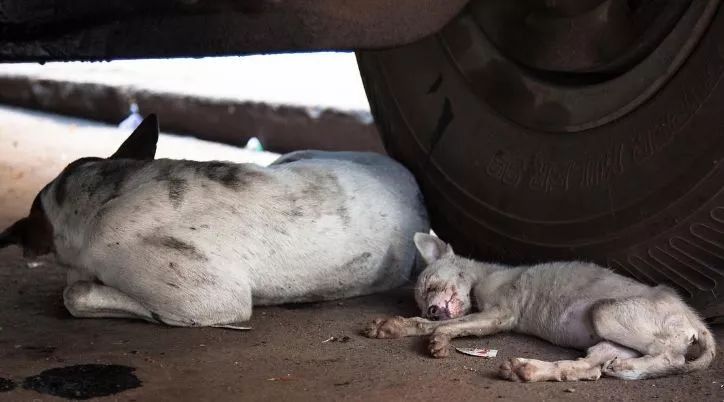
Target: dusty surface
<point x="284" y="357"/>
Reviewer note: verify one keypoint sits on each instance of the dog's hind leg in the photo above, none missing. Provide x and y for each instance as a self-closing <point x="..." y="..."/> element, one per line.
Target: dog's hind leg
<point x="661" y="328"/>
<point x="92" y="300"/>
<point x="585" y="368"/>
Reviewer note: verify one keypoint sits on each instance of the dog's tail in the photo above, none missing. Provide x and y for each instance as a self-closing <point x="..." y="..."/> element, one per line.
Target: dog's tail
<point x="707" y="350"/>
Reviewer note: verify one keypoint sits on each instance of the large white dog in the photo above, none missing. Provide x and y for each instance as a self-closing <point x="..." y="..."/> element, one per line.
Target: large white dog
<point x="198" y="243"/>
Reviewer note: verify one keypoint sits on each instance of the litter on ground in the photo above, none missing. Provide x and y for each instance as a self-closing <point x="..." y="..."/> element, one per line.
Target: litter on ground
<point x="343" y="339"/>
<point x="478" y="352"/>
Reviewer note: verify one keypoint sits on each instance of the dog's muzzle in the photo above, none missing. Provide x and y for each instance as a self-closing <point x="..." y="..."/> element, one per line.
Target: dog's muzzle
<point x="437" y="313"/>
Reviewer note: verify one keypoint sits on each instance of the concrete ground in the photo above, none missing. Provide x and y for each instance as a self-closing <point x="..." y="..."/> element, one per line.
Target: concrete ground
<point x="284" y="356"/>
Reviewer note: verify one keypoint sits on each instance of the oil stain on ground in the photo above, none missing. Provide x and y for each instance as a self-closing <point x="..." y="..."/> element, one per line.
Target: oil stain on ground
<point x="83" y="381"/>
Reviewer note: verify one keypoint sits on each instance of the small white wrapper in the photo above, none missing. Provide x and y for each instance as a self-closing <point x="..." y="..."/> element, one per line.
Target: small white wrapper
<point x="478" y="352"/>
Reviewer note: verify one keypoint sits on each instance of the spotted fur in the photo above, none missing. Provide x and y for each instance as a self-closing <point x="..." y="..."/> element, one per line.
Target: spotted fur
<point x="198" y="243"/>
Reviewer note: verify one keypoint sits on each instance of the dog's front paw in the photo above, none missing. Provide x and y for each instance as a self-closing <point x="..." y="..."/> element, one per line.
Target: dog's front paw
<point x="382" y="328"/>
<point x="517" y="369"/>
<point x="439" y="345"/>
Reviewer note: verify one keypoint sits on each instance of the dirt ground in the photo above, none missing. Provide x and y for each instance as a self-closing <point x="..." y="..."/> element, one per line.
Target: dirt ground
<point x="284" y="356"/>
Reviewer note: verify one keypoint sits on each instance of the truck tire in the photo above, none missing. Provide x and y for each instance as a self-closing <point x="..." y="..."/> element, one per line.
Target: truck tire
<point x="567" y="150"/>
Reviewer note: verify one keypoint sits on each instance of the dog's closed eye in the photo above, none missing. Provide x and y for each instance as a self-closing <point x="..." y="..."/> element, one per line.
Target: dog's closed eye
<point x="435" y="288"/>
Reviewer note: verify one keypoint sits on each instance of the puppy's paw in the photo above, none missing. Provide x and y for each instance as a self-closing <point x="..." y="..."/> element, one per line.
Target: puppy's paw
<point x="517" y="369"/>
<point x="439" y="346"/>
<point x="383" y="328"/>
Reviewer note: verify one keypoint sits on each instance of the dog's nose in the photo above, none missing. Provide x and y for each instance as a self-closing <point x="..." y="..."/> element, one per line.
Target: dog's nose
<point x="435" y="313"/>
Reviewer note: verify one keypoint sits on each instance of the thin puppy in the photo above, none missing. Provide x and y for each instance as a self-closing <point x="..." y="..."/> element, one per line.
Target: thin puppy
<point x="630" y="330"/>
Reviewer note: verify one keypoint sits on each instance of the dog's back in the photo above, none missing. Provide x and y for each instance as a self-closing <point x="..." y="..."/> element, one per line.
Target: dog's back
<point x="197" y="243"/>
<point x="303" y="230"/>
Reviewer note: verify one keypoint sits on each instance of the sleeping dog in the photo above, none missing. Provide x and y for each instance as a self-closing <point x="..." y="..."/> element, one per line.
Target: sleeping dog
<point x="630" y="330"/>
<point x="189" y="243"/>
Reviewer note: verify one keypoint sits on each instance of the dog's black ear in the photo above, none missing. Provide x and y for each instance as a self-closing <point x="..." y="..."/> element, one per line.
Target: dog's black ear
<point x="13" y="234"/>
<point x="141" y="144"/>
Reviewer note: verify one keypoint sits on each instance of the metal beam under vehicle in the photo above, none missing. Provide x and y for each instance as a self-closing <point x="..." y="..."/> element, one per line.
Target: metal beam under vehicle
<point x="49" y="30"/>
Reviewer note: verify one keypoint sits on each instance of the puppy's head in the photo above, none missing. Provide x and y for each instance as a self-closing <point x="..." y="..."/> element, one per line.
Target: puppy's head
<point x="443" y="288"/>
<point x="35" y="233"/>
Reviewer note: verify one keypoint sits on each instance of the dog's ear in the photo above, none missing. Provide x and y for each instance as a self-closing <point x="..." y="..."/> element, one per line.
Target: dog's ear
<point x="431" y="248"/>
<point x="13" y="234"/>
<point x="33" y="233"/>
<point x="141" y="144"/>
